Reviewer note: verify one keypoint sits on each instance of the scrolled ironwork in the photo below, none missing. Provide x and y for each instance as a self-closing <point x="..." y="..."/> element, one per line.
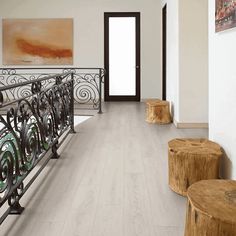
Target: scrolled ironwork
<point x="86" y="89"/>
<point x="36" y="87"/>
<point x="32" y="126"/>
<point x="87" y="83"/>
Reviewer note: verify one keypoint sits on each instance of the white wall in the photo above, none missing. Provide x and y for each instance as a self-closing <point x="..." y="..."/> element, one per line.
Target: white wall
<point x="187" y="59"/>
<point x="222" y="91"/>
<point x="88" y="18"/>
<point x="193" y="58"/>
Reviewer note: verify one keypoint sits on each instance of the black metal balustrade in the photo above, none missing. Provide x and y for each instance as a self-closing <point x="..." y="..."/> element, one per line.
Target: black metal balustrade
<point x="35" y="125"/>
<point x="87" y="83"/>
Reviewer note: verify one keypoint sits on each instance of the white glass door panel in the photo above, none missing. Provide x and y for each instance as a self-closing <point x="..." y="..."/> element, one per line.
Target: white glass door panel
<point x="122" y="56"/>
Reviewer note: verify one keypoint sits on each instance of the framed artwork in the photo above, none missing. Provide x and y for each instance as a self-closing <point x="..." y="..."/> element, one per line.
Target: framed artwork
<point x="225" y="14"/>
<point x="37" y="41"/>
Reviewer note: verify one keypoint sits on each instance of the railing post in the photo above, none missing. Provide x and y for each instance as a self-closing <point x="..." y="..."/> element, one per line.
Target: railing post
<point x="72" y="111"/>
<point x="13" y="201"/>
<point x="55" y="154"/>
<point x="100" y="92"/>
<point x="16" y="209"/>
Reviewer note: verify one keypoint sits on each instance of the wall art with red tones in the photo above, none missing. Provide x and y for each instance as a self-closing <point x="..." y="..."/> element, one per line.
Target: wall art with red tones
<point x="37" y="41"/>
<point x="225" y="15"/>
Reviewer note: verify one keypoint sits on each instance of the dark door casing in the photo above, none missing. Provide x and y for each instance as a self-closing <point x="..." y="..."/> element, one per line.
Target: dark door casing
<point x="164" y="11"/>
<point x="106" y="56"/>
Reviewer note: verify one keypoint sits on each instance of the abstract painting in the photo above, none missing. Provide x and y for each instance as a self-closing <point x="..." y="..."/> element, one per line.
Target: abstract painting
<point x="225" y="15"/>
<point x="37" y="41"/>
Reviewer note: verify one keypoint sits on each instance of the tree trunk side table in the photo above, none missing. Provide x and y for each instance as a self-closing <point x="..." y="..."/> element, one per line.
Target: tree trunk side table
<point x="211" y="209"/>
<point x="192" y="160"/>
<point x="158" y="111"/>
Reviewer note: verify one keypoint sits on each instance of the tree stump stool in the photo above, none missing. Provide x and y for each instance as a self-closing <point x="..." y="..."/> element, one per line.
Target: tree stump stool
<point x="158" y="111"/>
<point x="211" y="209"/>
<point x="192" y="160"/>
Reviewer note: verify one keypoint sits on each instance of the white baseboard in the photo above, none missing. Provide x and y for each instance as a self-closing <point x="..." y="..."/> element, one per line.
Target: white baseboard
<point x="144" y="99"/>
<point x="182" y="125"/>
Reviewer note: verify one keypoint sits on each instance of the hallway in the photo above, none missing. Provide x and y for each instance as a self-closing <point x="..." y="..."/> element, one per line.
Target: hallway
<point x="111" y="180"/>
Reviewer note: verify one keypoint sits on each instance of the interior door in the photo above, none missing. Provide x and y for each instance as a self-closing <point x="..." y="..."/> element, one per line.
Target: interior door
<point x="122" y="56"/>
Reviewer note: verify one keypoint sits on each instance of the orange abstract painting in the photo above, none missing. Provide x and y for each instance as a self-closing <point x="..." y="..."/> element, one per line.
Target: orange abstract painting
<point x="37" y="41"/>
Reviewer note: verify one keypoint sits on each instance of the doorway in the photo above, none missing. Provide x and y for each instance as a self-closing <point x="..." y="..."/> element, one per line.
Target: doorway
<point x="122" y="56"/>
<point x="164" y="21"/>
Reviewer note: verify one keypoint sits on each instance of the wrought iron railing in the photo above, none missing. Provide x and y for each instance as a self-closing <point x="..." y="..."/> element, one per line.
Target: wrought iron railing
<point x="87" y="83"/>
<point x="33" y="128"/>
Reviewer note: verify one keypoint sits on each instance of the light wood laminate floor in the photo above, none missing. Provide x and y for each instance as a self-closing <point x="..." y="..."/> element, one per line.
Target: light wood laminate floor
<point x="111" y="180"/>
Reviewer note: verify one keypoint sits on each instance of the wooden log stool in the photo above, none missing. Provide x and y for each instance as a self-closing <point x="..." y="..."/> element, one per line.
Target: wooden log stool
<point x="158" y="111"/>
<point x="192" y="160"/>
<point x="211" y="209"/>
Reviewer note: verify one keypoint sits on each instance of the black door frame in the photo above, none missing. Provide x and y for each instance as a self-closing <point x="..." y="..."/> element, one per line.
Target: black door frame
<point x="164" y="25"/>
<point x="107" y="15"/>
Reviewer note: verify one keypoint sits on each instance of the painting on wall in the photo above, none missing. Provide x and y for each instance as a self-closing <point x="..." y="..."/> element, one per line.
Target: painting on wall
<point x="225" y="15"/>
<point x="37" y="41"/>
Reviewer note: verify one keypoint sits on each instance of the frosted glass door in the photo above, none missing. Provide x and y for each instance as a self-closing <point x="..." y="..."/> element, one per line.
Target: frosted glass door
<point x="122" y="56"/>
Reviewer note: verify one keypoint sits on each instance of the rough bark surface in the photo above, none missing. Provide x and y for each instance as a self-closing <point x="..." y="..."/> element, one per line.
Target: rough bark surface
<point x="192" y="160"/>
<point x="158" y="111"/>
<point x="211" y="209"/>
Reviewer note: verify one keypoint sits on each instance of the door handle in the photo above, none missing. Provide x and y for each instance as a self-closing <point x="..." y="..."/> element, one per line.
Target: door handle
<point x="137" y="67"/>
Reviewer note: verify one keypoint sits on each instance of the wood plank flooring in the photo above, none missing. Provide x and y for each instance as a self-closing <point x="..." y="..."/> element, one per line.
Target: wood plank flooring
<point x="111" y="180"/>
